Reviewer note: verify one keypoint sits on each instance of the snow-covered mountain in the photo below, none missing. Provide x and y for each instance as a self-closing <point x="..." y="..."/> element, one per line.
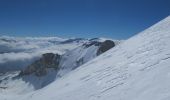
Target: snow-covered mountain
<point x="50" y="66"/>
<point x="137" y="69"/>
<point x="17" y="53"/>
<point x="82" y="54"/>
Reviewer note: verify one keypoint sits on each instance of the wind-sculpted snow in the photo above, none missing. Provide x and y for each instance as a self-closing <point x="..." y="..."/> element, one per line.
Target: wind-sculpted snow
<point x="138" y="69"/>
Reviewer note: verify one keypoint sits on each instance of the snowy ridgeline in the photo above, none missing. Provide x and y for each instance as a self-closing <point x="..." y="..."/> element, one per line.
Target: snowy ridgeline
<point x="50" y="66"/>
<point x="138" y="69"/>
<point x="17" y="53"/>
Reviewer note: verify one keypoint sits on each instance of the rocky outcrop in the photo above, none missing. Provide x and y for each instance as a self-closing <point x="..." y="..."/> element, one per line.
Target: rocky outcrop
<point x="106" y="45"/>
<point x="40" y="67"/>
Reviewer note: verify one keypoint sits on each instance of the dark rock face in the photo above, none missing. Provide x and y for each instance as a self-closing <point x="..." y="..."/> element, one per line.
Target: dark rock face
<point x="106" y="45"/>
<point x="103" y="46"/>
<point x="48" y="59"/>
<point x="40" y="67"/>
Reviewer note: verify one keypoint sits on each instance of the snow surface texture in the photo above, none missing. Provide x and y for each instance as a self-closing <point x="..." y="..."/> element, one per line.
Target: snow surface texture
<point x="138" y="69"/>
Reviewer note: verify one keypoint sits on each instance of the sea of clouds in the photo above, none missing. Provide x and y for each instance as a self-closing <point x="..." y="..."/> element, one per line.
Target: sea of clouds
<point x="17" y="53"/>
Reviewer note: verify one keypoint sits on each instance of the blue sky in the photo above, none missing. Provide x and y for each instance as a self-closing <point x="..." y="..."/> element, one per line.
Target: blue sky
<point x="119" y="19"/>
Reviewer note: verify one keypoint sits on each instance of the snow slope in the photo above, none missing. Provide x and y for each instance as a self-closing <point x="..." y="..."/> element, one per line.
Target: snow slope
<point x="138" y="69"/>
<point x="78" y="56"/>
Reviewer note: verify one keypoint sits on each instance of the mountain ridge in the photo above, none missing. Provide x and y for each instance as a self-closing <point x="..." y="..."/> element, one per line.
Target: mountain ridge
<point x="137" y="69"/>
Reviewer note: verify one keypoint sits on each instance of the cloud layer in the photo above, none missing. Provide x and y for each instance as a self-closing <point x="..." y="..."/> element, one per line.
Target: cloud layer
<point x="17" y="53"/>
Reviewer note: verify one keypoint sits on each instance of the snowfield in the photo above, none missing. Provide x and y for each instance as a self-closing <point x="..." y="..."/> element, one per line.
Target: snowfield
<point x="138" y="69"/>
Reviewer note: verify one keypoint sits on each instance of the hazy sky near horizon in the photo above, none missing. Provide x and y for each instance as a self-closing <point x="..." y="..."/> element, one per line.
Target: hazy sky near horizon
<point x="119" y="19"/>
